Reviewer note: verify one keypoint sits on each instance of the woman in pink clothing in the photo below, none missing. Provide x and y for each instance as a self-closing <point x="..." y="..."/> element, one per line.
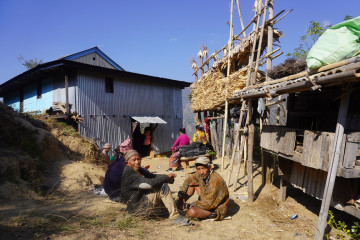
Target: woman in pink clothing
<point x="180" y="141"/>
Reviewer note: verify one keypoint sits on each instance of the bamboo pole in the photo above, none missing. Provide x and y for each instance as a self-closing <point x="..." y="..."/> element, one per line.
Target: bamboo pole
<point x="241" y="20"/>
<point x="333" y="166"/>
<point x="67" y="107"/>
<point x="251" y="59"/>
<point x="270" y="38"/>
<point x="236" y="142"/>
<point x="227" y="79"/>
<point x="213" y="118"/>
<point x="235" y="37"/>
<point x="241" y="151"/>
<point x="250" y="154"/>
<point x="260" y="43"/>
<point x="250" y="121"/>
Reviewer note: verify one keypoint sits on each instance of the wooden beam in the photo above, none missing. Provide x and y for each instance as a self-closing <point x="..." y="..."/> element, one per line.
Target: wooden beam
<point x="270" y="40"/>
<point x="250" y="155"/>
<point x="241" y="20"/>
<point x="283" y="186"/>
<point x="230" y="42"/>
<point x="333" y="166"/>
<point x="224" y="136"/>
<point x="67" y="93"/>
<point x="213" y="118"/>
<point x="260" y="42"/>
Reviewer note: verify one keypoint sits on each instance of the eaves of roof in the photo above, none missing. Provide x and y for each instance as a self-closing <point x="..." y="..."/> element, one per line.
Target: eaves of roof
<point x="45" y="69"/>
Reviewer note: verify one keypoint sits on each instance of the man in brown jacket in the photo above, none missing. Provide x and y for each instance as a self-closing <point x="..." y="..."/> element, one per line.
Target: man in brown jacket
<point x="211" y="188"/>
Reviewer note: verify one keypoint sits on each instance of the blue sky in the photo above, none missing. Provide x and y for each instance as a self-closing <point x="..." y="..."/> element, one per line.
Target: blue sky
<point x="155" y="37"/>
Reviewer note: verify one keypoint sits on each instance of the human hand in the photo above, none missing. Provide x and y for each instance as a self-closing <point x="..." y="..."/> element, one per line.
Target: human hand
<point x="171" y="177"/>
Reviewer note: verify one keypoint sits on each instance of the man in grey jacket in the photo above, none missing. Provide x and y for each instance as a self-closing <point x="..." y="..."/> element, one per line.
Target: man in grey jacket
<point x="143" y="191"/>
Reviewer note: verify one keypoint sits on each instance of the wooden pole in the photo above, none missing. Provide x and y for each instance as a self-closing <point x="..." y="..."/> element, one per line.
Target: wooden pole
<point x="250" y="154"/>
<point x="227" y="79"/>
<point x="251" y="58"/>
<point x="212" y="133"/>
<point x="236" y="142"/>
<point x="270" y="38"/>
<point x="333" y="165"/>
<point x="239" y="159"/>
<point x="260" y="43"/>
<point x="224" y="135"/>
<point x="201" y="63"/>
<point x="67" y="93"/>
<point x="241" y="20"/>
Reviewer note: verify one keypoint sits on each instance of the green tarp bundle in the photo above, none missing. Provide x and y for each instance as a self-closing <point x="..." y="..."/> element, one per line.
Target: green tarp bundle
<point x="337" y="43"/>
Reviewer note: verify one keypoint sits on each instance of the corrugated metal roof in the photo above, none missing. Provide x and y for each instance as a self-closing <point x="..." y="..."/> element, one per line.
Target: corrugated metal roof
<point x="148" y="119"/>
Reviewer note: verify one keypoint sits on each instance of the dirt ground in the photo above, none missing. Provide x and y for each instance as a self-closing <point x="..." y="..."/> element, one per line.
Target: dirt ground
<point x="65" y="208"/>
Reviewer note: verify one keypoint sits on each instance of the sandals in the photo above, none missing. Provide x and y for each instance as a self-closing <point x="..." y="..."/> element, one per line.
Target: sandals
<point x="182" y="221"/>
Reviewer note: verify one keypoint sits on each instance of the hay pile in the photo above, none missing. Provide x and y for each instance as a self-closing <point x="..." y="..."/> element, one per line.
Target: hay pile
<point x="290" y="66"/>
<point x="209" y="92"/>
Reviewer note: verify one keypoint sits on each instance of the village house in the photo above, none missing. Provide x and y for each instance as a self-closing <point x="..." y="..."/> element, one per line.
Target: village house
<point x="107" y="99"/>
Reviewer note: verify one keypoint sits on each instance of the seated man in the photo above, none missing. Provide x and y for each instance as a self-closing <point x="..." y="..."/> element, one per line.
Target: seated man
<point x="143" y="191"/>
<point x="112" y="181"/>
<point x="211" y="188"/>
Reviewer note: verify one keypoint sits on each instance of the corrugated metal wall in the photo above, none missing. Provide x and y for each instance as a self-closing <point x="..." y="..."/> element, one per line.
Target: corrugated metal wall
<point x="107" y="115"/>
<point x="94" y="59"/>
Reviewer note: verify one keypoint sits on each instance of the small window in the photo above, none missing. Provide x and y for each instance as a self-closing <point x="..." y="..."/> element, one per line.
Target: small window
<point x="109" y="85"/>
<point x="38" y="90"/>
<point x="94" y="58"/>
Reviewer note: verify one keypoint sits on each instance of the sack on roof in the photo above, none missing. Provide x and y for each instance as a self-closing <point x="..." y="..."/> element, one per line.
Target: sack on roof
<point x="337" y="43"/>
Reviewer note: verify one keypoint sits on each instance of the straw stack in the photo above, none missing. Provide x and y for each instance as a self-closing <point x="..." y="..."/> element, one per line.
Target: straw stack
<point x="209" y="92"/>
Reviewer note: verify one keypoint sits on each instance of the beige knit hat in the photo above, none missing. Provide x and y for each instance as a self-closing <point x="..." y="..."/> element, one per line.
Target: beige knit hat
<point x="107" y="145"/>
<point x="130" y="154"/>
<point x="202" y="160"/>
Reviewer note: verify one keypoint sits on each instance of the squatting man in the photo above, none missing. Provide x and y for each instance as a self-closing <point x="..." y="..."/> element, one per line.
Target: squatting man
<point x="211" y="188"/>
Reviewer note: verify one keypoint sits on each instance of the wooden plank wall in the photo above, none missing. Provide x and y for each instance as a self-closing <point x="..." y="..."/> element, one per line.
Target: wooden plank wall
<point x="316" y="150"/>
<point x="278" y="139"/>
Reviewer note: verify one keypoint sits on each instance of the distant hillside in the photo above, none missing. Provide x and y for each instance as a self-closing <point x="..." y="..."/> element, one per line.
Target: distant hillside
<point x="188" y="115"/>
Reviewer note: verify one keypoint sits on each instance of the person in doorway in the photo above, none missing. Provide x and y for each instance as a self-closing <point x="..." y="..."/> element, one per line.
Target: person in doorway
<point x="180" y="141"/>
<point x="143" y="191"/>
<point x="137" y="137"/>
<point x="147" y="143"/>
<point x="105" y="154"/>
<point x="211" y="188"/>
<point x="199" y="135"/>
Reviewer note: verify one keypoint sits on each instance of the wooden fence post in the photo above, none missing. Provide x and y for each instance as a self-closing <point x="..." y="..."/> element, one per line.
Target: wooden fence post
<point x="333" y="165"/>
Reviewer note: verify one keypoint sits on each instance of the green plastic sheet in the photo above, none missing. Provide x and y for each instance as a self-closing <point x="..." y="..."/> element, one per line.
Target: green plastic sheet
<point x="337" y="43"/>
